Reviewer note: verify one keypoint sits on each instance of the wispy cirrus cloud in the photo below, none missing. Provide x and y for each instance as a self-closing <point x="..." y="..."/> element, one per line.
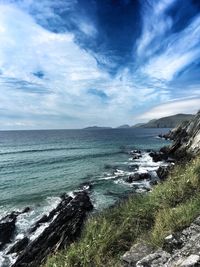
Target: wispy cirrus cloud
<point x="172" y="107"/>
<point x="68" y="64"/>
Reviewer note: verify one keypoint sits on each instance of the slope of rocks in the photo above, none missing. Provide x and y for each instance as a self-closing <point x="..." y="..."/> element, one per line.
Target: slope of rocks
<point x="180" y="249"/>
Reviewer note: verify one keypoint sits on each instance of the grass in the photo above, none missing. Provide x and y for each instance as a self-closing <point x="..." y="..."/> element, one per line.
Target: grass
<point x="171" y="206"/>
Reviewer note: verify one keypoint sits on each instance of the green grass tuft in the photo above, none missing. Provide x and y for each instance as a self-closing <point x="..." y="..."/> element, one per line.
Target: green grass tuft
<point x="171" y="206"/>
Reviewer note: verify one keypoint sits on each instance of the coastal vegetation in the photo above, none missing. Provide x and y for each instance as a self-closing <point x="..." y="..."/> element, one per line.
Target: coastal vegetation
<point x="170" y="206"/>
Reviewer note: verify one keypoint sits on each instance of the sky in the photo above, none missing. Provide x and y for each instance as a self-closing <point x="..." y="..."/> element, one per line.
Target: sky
<point x="77" y="63"/>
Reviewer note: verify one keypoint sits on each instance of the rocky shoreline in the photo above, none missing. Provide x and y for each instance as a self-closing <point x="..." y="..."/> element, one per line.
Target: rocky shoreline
<point x="180" y="248"/>
<point x="63" y="224"/>
<point x="61" y="227"/>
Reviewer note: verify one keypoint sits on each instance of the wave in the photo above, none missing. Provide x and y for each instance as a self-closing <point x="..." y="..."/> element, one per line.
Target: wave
<point x="42" y="150"/>
<point x="59" y="159"/>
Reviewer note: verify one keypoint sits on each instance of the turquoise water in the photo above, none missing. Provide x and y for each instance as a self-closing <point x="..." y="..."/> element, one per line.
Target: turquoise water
<point x="38" y="165"/>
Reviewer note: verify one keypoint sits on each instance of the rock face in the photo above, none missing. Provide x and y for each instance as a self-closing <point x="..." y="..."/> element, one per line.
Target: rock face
<point x="8" y="227"/>
<point x="179" y="249"/>
<point x="138" y="176"/>
<point x="186" y="137"/>
<point x="65" y="223"/>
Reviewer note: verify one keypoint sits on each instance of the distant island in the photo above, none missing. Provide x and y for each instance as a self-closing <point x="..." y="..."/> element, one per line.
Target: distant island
<point x="96" y="128"/>
<point x="165" y="122"/>
<point x="124" y="126"/>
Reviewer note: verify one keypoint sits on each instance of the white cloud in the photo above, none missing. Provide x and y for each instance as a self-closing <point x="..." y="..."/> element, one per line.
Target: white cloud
<point x="166" y="53"/>
<point x="182" y="50"/>
<point x="172" y="107"/>
<point x="69" y="72"/>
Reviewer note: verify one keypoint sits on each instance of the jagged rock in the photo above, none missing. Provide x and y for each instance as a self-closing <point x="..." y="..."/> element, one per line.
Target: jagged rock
<point x="25" y="210"/>
<point x="191" y="261"/>
<point x="172" y="242"/>
<point x="46" y="218"/>
<point x="138" y="176"/>
<point x="158" y="156"/>
<point x="163" y="172"/>
<point x="19" y="245"/>
<point x="186" y="137"/>
<point x="136" y="156"/>
<point x="156" y="259"/>
<point x="62" y="230"/>
<point x="7" y="228"/>
<point x="179" y="249"/>
<point x="137" y="251"/>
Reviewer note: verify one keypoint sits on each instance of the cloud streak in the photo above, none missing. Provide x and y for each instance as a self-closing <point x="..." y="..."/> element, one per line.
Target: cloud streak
<point x="67" y="65"/>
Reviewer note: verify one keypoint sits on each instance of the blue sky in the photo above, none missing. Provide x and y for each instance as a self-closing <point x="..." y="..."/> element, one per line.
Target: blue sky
<point x="74" y="63"/>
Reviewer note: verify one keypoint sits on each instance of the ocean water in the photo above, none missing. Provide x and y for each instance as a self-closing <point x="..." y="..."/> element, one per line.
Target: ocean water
<point x="36" y="167"/>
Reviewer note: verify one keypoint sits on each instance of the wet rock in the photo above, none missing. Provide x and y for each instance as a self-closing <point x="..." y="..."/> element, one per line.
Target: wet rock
<point x="135" y="151"/>
<point x="136" y="156"/>
<point x="158" y="156"/>
<point x="25" y="210"/>
<point x="7" y="228"/>
<point x="61" y="231"/>
<point x="133" y="167"/>
<point x="86" y="186"/>
<point x="137" y="176"/>
<point x="65" y="199"/>
<point x="19" y="245"/>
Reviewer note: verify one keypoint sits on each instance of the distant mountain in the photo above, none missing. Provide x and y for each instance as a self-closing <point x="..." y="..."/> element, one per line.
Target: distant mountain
<point x="166" y="122"/>
<point x="96" y="128"/>
<point x="125" y="126"/>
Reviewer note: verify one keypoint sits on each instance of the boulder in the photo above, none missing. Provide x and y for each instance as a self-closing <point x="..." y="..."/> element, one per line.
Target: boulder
<point x="136" y="253"/>
<point x="172" y="242"/>
<point x="136" y="156"/>
<point x="163" y="172"/>
<point x="158" y="156"/>
<point x="138" y="176"/>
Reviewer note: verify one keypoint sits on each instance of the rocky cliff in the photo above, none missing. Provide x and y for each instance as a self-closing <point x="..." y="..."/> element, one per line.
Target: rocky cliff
<point x="179" y="249"/>
<point x="186" y="137"/>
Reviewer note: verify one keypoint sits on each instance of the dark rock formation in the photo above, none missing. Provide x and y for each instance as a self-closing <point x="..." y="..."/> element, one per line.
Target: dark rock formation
<point x="46" y="218"/>
<point x="158" y="156"/>
<point x="138" y="176"/>
<point x="186" y="137"/>
<point x="136" y="154"/>
<point x="163" y="171"/>
<point x="19" y="245"/>
<point x="8" y="227"/>
<point x="62" y="230"/>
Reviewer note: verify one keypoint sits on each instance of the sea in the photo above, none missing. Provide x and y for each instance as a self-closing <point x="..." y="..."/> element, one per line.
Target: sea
<point x="37" y="167"/>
